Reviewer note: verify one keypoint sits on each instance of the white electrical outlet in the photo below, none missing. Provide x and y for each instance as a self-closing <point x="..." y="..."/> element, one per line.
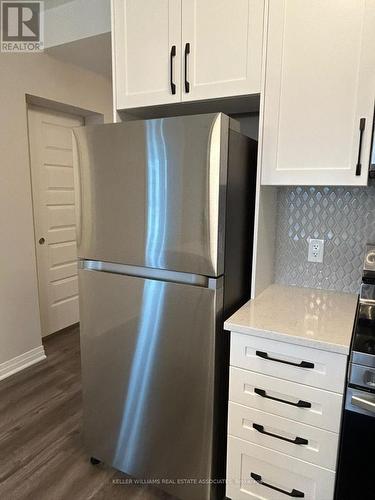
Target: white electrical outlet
<point x="316" y="250"/>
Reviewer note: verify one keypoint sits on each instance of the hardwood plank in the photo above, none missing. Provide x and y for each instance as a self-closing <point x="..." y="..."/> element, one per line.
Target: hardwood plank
<point x="41" y="451"/>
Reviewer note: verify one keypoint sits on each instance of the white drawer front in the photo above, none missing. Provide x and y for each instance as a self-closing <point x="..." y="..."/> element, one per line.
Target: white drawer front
<point x="249" y="465"/>
<point x="253" y="353"/>
<point x="256" y="426"/>
<point x="280" y="397"/>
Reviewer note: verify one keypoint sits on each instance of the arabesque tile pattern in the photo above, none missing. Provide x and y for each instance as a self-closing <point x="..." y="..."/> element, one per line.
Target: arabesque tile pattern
<point x="343" y="216"/>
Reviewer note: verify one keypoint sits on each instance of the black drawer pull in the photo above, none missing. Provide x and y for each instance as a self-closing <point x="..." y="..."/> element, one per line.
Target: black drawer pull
<point x="303" y="364"/>
<point x="362" y="124"/>
<point x="173" y="54"/>
<point x="187" y="52"/>
<point x="300" y="404"/>
<point x="297" y="440"/>
<point x="294" y="493"/>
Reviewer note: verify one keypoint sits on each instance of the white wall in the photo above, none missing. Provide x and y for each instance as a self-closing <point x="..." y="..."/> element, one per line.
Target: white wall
<point x="40" y="75"/>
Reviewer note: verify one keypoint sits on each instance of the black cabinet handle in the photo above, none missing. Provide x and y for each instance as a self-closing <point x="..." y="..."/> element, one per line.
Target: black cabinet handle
<point x="303" y="364"/>
<point x="362" y="124"/>
<point x="300" y="404"/>
<point x="187" y="52"/>
<point x="297" y="440"/>
<point x="173" y="54"/>
<point x="294" y="493"/>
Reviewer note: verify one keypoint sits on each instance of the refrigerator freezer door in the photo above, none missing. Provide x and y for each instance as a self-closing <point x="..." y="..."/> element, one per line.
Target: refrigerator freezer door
<point x="148" y="351"/>
<point x="152" y="193"/>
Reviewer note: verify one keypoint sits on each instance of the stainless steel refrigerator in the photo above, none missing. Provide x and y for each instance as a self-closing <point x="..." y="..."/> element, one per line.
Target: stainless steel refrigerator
<point x="165" y="217"/>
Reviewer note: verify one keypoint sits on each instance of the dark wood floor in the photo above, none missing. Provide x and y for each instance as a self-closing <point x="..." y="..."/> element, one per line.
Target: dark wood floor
<point x="41" y="452"/>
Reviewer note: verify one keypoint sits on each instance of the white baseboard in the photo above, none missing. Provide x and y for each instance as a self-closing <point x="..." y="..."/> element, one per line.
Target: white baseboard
<point x="21" y="362"/>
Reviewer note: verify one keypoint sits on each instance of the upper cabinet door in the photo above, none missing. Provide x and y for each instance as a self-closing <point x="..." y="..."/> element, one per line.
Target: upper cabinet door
<point x="147" y="42"/>
<point x="319" y="92"/>
<point x="222" y="48"/>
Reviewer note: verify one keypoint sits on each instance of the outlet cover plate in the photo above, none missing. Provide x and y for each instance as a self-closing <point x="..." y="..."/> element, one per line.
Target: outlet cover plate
<point x="316" y="250"/>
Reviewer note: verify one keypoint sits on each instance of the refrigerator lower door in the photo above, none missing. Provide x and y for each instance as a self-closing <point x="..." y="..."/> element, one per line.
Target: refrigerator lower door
<point x="148" y="363"/>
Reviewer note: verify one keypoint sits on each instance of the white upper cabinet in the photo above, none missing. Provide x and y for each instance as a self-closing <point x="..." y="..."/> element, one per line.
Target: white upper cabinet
<point x="222" y="45"/>
<point x="147" y="43"/>
<point x="319" y="92"/>
<point x="168" y="51"/>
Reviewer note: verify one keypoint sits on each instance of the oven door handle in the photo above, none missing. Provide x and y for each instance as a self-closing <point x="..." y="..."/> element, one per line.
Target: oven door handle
<point x="364" y="403"/>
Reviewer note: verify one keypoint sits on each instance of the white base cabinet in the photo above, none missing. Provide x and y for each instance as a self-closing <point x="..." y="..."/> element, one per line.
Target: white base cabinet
<point x="325" y="369"/>
<point x="285" y="406"/>
<point x="318" y="446"/>
<point x="258" y="472"/>
<point x="292" y="400"/>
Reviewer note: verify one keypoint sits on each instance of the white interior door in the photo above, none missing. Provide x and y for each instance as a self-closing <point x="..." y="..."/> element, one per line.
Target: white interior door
<point x="147" y="52"/>
<point x="52" y="176"/>
<point x="224" y="41"/>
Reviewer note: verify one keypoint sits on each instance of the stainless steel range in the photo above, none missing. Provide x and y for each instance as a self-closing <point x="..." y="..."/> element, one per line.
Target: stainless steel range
<point x="363" y="354"/>
<point x="355" y="472"/>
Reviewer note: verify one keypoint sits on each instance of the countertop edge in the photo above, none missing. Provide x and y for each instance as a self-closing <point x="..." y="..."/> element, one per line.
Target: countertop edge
<point x="287" y="338"/>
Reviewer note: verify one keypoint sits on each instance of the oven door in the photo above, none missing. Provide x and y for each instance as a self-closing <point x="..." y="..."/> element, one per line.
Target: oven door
<point x="356" y="460"/>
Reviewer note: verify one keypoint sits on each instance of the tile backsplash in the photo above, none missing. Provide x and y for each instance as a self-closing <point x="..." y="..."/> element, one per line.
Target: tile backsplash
<point x="344" y="217"/>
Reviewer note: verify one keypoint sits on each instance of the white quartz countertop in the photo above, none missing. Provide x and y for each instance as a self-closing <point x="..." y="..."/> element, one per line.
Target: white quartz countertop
<point x="305" y="316"/>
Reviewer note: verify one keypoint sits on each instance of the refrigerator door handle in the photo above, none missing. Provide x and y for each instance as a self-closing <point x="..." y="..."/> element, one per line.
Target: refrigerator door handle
<point x="152" y="273"/>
